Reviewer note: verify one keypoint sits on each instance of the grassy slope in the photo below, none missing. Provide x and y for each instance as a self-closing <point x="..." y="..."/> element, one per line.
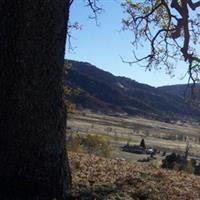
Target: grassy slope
<point x="100" y="178"/>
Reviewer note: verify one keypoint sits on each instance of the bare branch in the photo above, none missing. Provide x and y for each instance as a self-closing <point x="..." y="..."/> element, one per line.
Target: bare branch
<point x="70" y="2"/>
<point x="96" y="9"/>
<point x="171" y="35"/>
<point x="192" y="5"/>
<point x="150" y="13"/>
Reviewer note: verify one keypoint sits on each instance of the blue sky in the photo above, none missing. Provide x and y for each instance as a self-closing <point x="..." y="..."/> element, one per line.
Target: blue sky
<point x="103" y="45"/>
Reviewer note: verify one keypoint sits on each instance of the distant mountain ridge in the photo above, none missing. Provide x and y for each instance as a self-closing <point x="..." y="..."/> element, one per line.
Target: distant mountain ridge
<point x="183" y="90"/>
<point x="100" y="91"/>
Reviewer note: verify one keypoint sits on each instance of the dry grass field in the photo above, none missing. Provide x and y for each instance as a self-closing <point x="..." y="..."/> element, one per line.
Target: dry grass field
<point x="120" y="129"/>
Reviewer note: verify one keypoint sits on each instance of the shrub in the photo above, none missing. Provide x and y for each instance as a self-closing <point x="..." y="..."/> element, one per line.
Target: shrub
<point x="177" y="162"/>
<point x="155" y="164"/>
<point x="190" y="167"/>
<point x="97" y="144"/>
<point x="171" y="160"/>
<point x="74" y="143"/>
<point x="89" y="143"/>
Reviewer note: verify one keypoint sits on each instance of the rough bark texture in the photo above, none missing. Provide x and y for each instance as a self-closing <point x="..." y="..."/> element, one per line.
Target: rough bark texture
<point x="33" y="162"/>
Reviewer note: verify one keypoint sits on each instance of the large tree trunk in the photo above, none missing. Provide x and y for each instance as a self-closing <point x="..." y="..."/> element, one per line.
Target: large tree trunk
<point x="33" y="160"/>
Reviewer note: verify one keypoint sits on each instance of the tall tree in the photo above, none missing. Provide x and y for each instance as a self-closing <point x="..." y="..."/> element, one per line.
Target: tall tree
<point x="33" y="160"/>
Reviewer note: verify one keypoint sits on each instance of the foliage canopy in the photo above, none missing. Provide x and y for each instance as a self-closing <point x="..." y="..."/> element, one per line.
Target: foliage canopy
<point x="170" y="28"/>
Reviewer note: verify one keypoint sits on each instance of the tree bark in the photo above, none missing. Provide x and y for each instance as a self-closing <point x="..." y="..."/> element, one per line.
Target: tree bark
<point x="33" y="157"/>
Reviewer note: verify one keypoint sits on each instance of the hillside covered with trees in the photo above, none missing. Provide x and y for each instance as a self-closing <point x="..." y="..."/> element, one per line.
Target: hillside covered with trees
<point x="103" y="92"/>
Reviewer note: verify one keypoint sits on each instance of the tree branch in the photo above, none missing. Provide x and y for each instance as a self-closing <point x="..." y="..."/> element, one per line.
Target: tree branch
<point x="96" y="9"/>
<point x="170" y="35"/>
<point x="192" y="5"/>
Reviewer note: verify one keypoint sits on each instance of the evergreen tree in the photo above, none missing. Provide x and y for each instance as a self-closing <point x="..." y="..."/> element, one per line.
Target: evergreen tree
<point x="142" y="143"/>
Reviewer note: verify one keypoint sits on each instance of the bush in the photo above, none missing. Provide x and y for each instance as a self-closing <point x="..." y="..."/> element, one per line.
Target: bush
<point x="170" y="161"/>
<point x="97" y="144"/>
<point x="190" y="167"/>
<point x="155" y="164"/>
<point x="74" y="143"/>
<point x="89" y="144"/>
<point x="197" y="169"/>
<point x="177" y="162"/>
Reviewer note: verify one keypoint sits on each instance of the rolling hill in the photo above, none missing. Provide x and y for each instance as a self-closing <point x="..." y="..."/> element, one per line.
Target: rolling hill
<point x="183" y="91"/>
<point x="103" y="92"/>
